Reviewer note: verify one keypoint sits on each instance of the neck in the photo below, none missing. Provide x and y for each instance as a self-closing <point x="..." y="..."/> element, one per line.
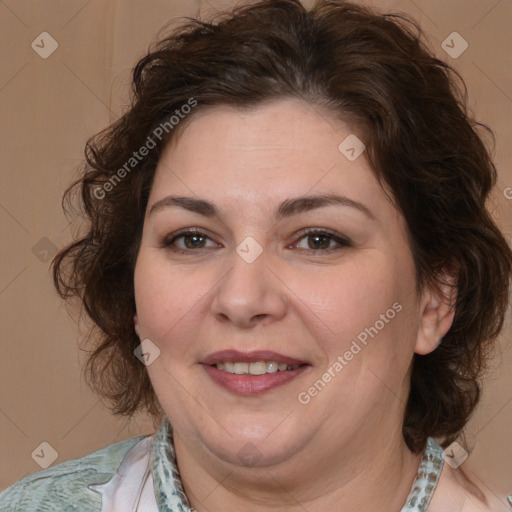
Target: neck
<point x="371" y="476"/>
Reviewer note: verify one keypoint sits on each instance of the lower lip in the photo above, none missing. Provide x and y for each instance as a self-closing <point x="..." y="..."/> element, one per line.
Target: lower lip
<point x="252" y="384"/>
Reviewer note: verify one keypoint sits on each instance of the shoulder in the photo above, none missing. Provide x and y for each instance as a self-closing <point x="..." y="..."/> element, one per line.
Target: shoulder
<point x="462" y="491"/>
<point x="64" y="487"/>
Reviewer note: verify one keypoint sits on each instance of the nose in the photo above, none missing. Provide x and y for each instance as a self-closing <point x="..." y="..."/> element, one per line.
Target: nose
<point x="250" y="293"/>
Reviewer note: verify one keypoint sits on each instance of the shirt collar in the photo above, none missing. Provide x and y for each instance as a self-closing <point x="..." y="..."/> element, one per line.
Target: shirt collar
<point x="169" y="493"/>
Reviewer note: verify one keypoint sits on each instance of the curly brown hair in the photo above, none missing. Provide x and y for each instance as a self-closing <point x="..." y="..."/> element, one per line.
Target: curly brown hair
<point x="371" y="70"/>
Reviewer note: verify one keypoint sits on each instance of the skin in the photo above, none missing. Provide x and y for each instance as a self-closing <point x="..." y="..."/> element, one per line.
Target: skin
<point x="459" y="490"/>
<point x="304" y="302"/>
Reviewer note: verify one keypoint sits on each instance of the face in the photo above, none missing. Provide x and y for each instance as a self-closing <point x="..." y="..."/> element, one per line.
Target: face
<point x="260" y="278"/>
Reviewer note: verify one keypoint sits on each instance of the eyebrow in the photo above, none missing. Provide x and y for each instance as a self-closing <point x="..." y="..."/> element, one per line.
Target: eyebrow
<point x="287" y="208"/>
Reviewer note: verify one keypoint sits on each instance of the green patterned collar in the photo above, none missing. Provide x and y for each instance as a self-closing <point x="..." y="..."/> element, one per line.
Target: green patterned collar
<point x="169" y="493"/>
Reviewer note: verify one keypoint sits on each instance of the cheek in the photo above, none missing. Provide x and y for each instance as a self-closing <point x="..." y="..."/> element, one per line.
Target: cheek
<point x="349" y="298"/>
<point x="364" y="314"/>
<point x="168" y="300"/>
<point x="155" y="302"/>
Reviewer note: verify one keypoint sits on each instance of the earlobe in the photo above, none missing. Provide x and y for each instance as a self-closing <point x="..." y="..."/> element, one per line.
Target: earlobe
<point x="437" y="312"/>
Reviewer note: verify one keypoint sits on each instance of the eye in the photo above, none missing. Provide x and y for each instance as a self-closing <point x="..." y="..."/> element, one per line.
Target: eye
<point x="192" y="240"/>
<point x="321" y="240"/>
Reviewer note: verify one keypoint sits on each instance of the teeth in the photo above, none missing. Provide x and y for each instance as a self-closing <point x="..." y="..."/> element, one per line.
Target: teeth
<point x="256" y="368"/>
<point x="272" y="367"/>
<point x="259" y="368"/>
<point x="240" y="368"/>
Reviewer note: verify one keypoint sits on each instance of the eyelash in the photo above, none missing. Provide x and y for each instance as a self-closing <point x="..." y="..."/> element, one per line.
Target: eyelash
<point x="343" y="242"/>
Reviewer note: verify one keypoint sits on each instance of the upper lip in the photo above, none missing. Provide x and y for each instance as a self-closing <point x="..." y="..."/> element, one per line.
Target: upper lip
<point x="236" y="356"/>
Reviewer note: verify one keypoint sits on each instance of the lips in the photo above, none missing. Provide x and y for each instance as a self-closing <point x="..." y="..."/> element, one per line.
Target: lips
<point x="234" y="370"/>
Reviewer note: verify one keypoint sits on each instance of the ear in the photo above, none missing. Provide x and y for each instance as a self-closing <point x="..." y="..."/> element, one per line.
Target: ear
<point x="437" y="310"/>
<point x="136" y="324"/>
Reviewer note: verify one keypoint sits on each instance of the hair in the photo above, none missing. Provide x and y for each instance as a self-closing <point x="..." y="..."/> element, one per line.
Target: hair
<point x="371" y="70"/>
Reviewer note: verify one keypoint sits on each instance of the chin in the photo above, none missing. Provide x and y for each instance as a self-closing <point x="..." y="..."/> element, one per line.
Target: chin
<point x="254" y="445"/>
<point x="252" y="455"/>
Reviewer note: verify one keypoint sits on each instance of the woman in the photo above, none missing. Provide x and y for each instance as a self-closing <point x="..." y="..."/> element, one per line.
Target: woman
<point x="290" y="265"/>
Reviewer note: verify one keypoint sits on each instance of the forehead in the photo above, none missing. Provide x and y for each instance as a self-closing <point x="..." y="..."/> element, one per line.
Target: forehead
<point x="284" y="125"/>
<point x="284" y="148"/>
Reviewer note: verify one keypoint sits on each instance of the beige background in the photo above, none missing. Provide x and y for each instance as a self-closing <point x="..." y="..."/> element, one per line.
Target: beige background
<point x="49" y="107"/>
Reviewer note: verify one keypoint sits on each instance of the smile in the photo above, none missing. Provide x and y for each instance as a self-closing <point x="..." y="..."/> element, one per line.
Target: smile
<point x="253" y="372"/>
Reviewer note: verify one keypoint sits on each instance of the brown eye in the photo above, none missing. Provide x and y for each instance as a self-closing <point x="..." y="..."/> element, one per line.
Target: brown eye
<point x="319" y="241"/>
<point x="191" y="241"/>
<point x="322" y="241"/>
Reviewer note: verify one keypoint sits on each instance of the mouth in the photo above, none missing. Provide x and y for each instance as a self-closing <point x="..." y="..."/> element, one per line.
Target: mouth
<point x="252" y="373"/>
